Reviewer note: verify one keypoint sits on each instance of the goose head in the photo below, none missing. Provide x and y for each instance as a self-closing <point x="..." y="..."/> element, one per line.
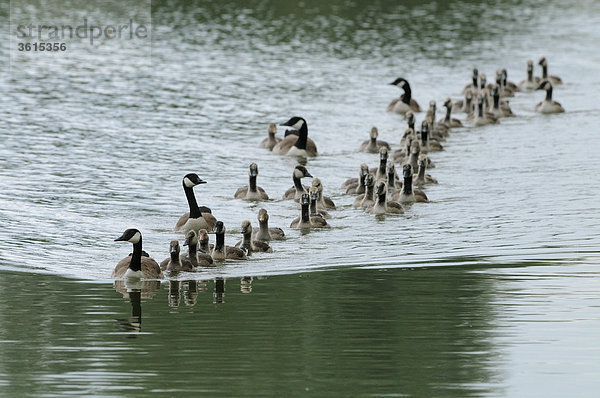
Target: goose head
<point x="504" y="76"/>
<point x="174" y="247"/>
<point x="400" y="83"/>
<point x="130" y="235"/>
<point x="380" y="188"/>
<point x="317" y="185"/>
<point x="246" y="227"/>
<point x="369" y="180"/>
<point x="219" y="227"/>
<point x="263" y="215"/>
<point x="295" y="123"/>
<point x="475" y="75"/>
<point x="191" y="180"/>
<point x="448" y="103"/>
<point x="374" y="133"/>
<point x="364" y="170"/>
<point x="383" y="154"/>
<point x="543" y="61"/>
<point x="498" y="76"/>
<point x="407" y="171"/>
<point x="301" y="172"/>
<point x="545" y="85"/>
<point x="253" y="172"/>
<point x="191" y="238"/>
<point x="495" y="92"/>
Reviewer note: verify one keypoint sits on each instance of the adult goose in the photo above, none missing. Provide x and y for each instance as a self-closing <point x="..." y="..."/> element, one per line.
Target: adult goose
<point x="251" y="191"/>
<point x="296" y="145"/>
<point x="298" y="189"/>
<point x="136" y="265"/>
<point x="198" y="217"/>
<point x="405" y="103"/>
<point x="548" y="105"/>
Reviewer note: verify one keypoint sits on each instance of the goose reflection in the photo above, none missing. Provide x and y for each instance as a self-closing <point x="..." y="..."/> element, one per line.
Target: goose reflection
<point x="219" y="292"/>
<point x="135" y="291"/>
<point x="246" y="284"/>
<point x="174" y="294"/>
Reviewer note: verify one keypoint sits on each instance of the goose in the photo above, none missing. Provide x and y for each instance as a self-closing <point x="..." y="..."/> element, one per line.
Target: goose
<point x="405" y="103"/>
<point x="252" y="245"/>
<point x="498" y="108"/>
<point x="372" y="145"/>
<point x="508" y="84"/>
<point x="413" y="157"/>
<point x="356" y="186"/>
<point x="263" y="232"/>
<point x="298" y="189"/>
<point x="296" y="145"/>
<point x="136" y="265"/>
<point x="473" y="86"/>
<point x="203" y="242"/>
<point x="383" y="158"/>
<point x="438" y="130"/>
<point x="464" y="106"/>
<point x="408" y="134"/>
<point x="407" y="194"/>
<point x="175" y="263"/>
<point x="393" y="182"/>
<point x="421" y="178"/>
<point x="198" y="217"/>
<point x="502" y="89"/>
<point x="548" y="105"/>
<point x="220" y="251"/>
<point x="410" y="120"/>
<point x="318" y="208"/>
<point x="366" y="199"/>
<point x="531" y="83"/>
<point x="271" y="140"/>
<point x="427" y="144"/>
<point x="481" y="118"/>
<point x="303" y="220"/>
<point x="400" y="155"/>
<point x="251" y="191"/>
<point x="324" y="202"/>
<point x="447" y="120"/>
<point x="317" y="220"/>
<point x="382" y="205"/>
<point x="545" y="76"/>
<point x="193" y="256"/>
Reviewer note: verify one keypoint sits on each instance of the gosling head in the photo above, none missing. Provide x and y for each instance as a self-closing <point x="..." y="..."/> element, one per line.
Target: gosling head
<point x="383" y="154"/>
<point x="364" y="169"/>
<point x="272" y="128"/>
<point x="448" y="103"/>
<point x="374" y="133"/>
<point x="380" y="188"/>
<point x="174" y="247"/>
<point x="263" y="215"/>
<point x="317" y="185"/>
<point x="369" y="180"/>
<point x="407" y="171"/>
<point x="219" y="227"/>
<point x="432" y="106"/>
<point x="246" y="227"/>
<point x="203" y="236"/>
<point x="130" y="235"/>
<point x="191" y="238"/>
<point x="191" y="180"/>
<point x="295" y="123"/>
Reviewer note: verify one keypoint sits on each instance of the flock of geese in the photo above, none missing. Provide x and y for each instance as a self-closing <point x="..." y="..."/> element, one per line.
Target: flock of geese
<point x="378" y="190"/>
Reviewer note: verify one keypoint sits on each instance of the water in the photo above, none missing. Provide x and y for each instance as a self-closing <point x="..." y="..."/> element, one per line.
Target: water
<point x="489" y="290"/>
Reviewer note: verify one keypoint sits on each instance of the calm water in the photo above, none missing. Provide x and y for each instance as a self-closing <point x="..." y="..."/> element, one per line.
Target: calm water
<point x="490" y="290"/>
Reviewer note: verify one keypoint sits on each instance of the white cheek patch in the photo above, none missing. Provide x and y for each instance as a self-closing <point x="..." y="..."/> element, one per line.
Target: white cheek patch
<point x="188" y="183"/>
<point x="135" y="238"/>
<point x="298" y="124"/>
<point x="298" y="173"/>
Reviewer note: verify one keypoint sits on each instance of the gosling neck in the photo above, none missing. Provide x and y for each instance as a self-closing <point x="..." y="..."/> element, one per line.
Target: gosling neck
<point x="305" y="213"/>
<point x="369" y="192"/>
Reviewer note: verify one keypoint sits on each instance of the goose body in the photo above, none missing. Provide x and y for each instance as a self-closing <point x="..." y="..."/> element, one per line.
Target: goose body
<point x="405" y="103"/>
<point x="252" y="191"/>
<point x="136" y="266"/>
<point x="448" y="120"/>
<point x="220" y="251"/>
<point x="372" y="145"/>
<point x="175" y="262"/>
<point x="296" y="145"/>
<point x="407" y="194"/>
<point x="198" y="217"/>
<point x="271" y="140"/>
<point x="548" y="105"/>
<point x="263" y="232"/>
<point x="481" y="118"/>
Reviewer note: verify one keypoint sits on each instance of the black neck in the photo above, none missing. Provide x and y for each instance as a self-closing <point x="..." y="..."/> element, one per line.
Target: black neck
<point x="544" y="71"/>
<point x="421" y="171"/>
<point x="136" y="257"/>
<point x="529" y="75"/>
<point x="313" y="207"/>
<point x="448" y="113"/>
<point x="369" y="192"/>
<point x="549" y="94"/>
<point x="191" y="198"/>
<point x="391" y="180"/>
<point x="305" y="215"/>
<point x="496" y="101"/>
<point x="381" y="198"/>
<point x="424" y="137"/>
<point x="411" y="124"/>
<point x="382" y="164"/>
<point x="252" y="184"/>
<point x="248" y="238"/>
<point x="475" y="80"/>
<point x="302" y="137"/>
<point x="220" y="241"/>
<point x="407" y="94"/>
<point x="480" y="106"/>
<point x="174" y="256"/>
<point x="407" y="186"/>
<point x="192" y="248"/>
<point x="297" y="184"/>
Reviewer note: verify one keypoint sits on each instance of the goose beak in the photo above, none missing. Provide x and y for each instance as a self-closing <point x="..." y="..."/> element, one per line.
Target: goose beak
<point x="307" y="174"/>
<point x="120" y="238"/>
